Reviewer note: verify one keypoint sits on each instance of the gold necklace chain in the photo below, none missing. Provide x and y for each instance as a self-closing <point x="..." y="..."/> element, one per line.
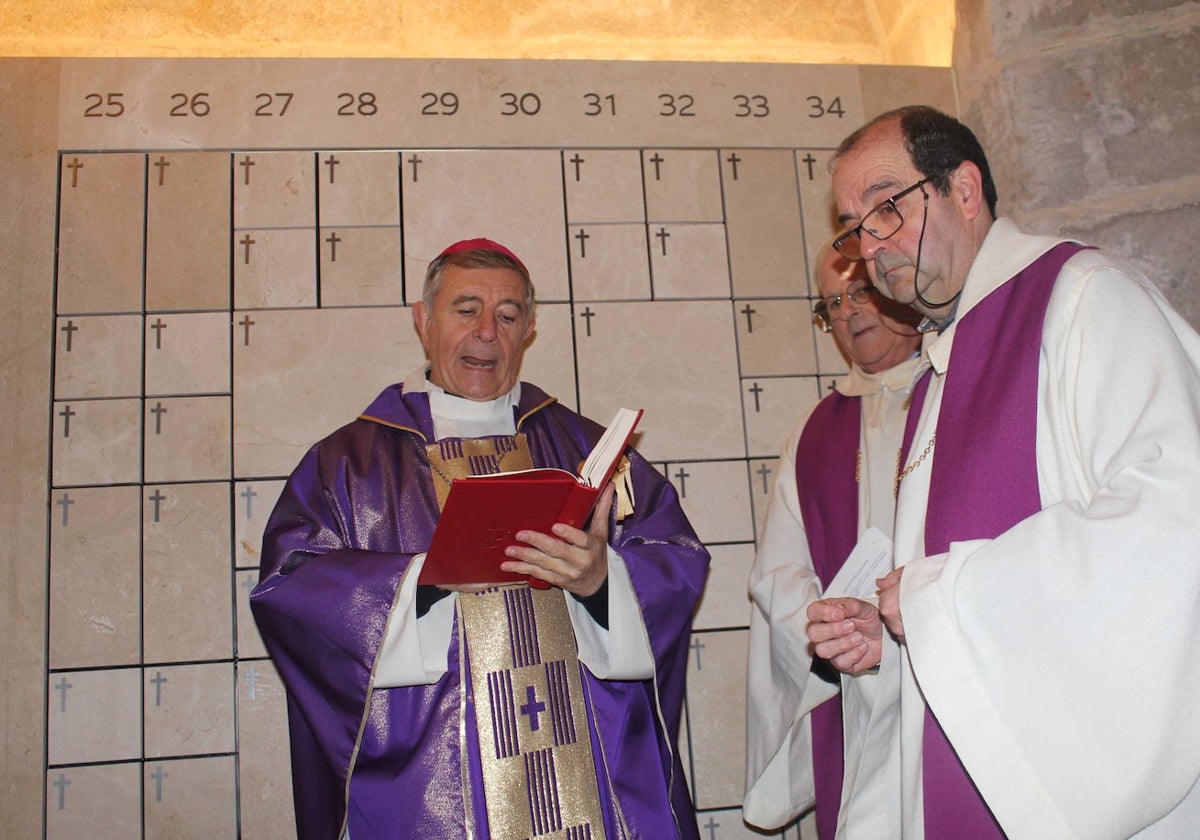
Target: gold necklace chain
<point x="902" y="474"/>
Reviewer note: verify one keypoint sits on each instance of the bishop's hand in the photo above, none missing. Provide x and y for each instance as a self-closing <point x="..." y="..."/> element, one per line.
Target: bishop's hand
<point x="569" y="558"/>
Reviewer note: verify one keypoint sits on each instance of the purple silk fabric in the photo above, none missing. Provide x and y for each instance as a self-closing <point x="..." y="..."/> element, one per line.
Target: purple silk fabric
<point x="983" y="481"/>
<point x="826" y="460"/>
<point x="357" y="508"/>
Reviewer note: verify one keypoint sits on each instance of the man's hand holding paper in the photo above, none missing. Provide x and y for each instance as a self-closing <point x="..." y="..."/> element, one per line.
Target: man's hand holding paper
<point x="845" y="627"/>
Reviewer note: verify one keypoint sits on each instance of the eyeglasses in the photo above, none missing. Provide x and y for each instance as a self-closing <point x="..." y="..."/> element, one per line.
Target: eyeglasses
<point x="829" y="309"/>
<point x="881" y="222"/>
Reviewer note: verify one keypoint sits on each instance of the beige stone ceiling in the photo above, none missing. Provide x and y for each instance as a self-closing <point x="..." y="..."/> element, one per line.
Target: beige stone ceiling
<point x="917" y="32"/>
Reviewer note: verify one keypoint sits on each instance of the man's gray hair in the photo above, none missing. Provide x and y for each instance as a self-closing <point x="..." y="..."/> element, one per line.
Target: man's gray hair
<point x="475" y="258"/>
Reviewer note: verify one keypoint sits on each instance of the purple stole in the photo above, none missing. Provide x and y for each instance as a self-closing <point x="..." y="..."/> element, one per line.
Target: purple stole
<point x="826" y="463"/>
<point x="983" y="480"/>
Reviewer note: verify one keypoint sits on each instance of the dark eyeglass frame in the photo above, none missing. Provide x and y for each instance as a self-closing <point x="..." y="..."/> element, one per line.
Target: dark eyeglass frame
<point x="828" y="309"/>
<point x="849" y="244"/>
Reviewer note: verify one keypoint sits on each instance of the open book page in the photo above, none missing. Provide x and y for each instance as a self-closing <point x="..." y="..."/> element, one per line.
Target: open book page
<point x="604" y="456"/>
<point x="601" y="461"/>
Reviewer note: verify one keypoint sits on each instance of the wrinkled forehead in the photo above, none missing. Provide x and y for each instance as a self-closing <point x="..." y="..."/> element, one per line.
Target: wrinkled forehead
<point x="489" y="283"/>
<point x="876" y="168"/>
<point x="835" y="273"/>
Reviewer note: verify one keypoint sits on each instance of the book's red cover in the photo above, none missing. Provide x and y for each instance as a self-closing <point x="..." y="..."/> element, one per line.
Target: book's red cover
<point x="483" y="514"/>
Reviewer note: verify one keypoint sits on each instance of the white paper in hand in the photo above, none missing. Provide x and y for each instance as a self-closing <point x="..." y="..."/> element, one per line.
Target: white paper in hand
<point x="870" y="559"/>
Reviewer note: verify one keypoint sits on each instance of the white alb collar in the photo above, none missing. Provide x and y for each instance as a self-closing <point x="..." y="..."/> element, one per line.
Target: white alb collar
<point x="459" y="417"/>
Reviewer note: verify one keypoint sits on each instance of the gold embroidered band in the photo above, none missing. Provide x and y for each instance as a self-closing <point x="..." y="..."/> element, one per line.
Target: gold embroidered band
<point x="539" y="778"/>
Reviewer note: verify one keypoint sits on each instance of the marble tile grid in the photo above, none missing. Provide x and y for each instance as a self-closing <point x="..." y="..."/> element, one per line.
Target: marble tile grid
<point x="216" y="312"/>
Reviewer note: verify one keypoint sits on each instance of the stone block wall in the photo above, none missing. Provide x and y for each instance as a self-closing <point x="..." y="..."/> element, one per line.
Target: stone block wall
<point x="1090" y="113"/>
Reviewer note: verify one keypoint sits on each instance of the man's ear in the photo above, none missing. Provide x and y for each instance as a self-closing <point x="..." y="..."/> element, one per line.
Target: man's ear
<point x="966" y="188"/>
<point x="530" y="327"/>
<point x="420" y="317"/>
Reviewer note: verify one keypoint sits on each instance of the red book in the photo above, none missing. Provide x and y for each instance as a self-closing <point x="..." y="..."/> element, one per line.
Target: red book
<point x="483" y="513"/>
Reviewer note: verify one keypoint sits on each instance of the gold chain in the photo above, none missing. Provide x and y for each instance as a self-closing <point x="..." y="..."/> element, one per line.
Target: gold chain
<point x="438" y="471"/>
<point x="902" y="474"/>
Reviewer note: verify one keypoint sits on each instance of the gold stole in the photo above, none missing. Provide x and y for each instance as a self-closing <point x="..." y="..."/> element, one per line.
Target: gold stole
<point x="539" y="779"/>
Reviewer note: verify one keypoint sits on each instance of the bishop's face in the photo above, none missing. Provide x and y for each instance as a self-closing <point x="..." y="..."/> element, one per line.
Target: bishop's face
<point x="474" y="334"/>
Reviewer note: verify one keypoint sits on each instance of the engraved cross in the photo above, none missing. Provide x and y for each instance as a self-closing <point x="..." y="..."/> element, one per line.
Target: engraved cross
<point x="66" y="414"/>
<point x="810" y="160"/>
<point x="62" y="782"/>
<point x="734" y="160"/>
<point x="756" y="390"/>
<point x="663" y="235"/>
<point x="63" y="686"/>
<point x="158" y="326"/>
<point x="66" y="501"/>
<point x="657" y="160"/>
<point x="70" y="329"/>
<point x="158" y="411"/>
<point x="158" y="775"/>
<point x="749" y="311"/>
<point x="158" y="681"/>
<point x="765" y="472"/>
<point x="247" y="241"/>
<point x="246" y="324"/>
<point x="158" y="498"/>
<point x="683" y="475"/>
<point x="249" y="495"/>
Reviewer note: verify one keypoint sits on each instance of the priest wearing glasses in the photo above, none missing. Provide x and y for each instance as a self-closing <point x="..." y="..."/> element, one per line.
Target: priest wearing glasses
<point x="1047" y="544"/>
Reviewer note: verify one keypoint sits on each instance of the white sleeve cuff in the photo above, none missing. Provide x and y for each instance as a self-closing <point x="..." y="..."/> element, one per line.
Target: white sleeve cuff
<point x="622" y="650"/>
<point x="413" y="651"/>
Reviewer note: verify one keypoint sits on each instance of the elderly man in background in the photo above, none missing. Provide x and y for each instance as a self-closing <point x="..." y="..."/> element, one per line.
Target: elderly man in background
<point x="836" y="482"/>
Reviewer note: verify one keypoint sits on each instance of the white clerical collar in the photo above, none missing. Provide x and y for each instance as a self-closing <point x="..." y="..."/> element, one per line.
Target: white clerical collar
<point x="458" y="417"/>
<point x="859" y="383"/>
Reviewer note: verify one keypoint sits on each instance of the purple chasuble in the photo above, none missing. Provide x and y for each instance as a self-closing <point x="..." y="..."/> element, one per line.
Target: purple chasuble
<point x="387" y="762"/>
<point x="983" y="480"/>
<point x="826" y="464"/>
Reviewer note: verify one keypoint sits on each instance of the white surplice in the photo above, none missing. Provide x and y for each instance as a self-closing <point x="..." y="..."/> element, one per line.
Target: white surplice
<point x="1061" y="657"/>
<point x="782" y="689"/>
